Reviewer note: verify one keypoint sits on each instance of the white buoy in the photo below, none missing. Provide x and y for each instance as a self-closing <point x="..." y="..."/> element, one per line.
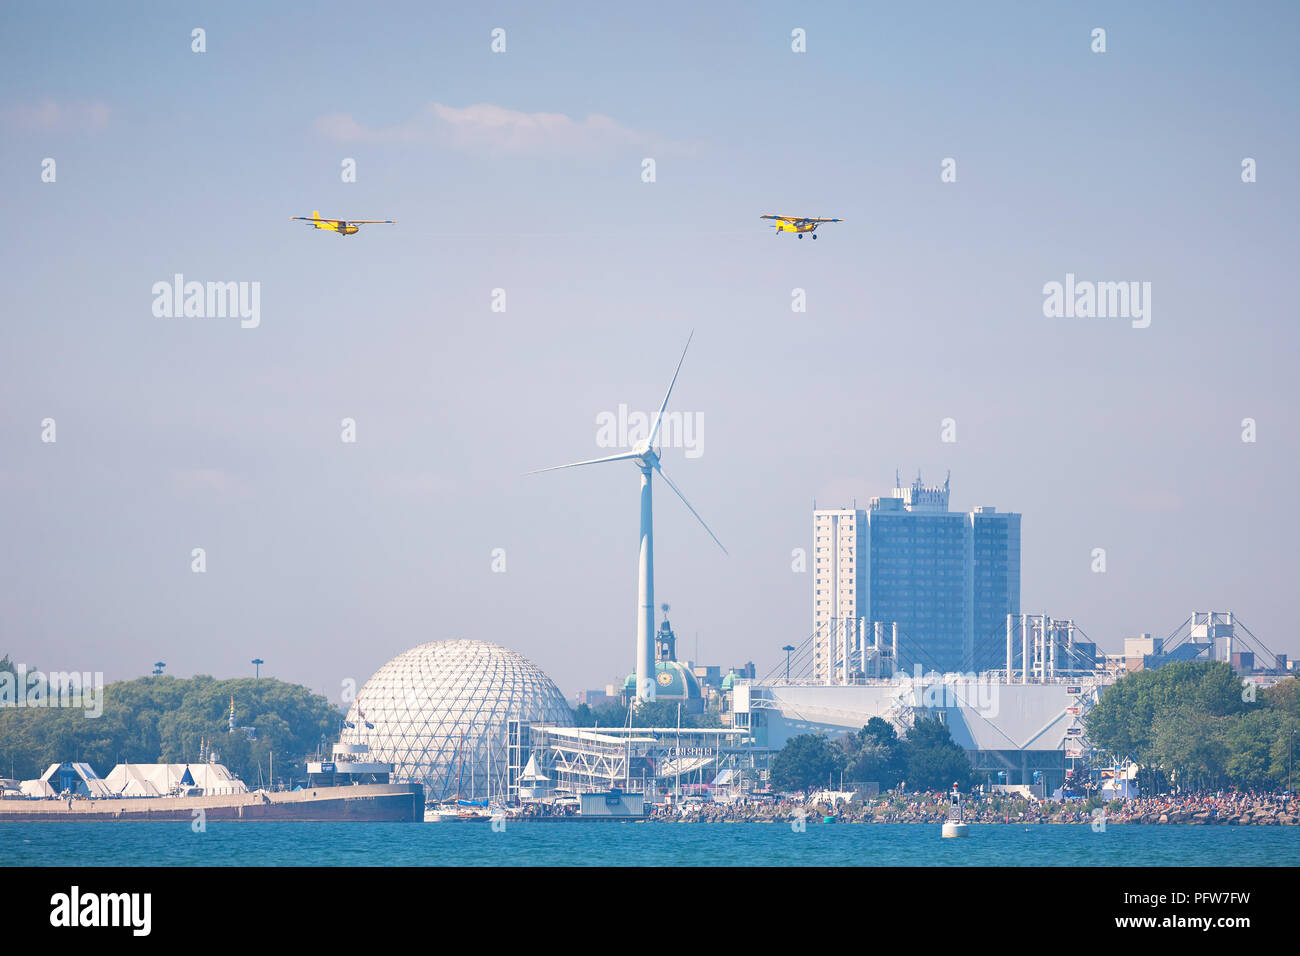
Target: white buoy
<point x="954" y="826"/>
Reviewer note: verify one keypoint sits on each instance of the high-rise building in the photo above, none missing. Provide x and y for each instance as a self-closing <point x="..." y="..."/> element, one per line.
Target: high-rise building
<point x="948" y="579"/>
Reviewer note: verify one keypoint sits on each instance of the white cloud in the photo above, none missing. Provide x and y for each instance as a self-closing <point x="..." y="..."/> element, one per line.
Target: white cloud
<point x="81" y="116"/>
<point x="488" y="128"/>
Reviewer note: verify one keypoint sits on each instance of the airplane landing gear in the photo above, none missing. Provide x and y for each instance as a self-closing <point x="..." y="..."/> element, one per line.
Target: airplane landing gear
<point x="801" y="235"/>
<point x="814" y="235"/>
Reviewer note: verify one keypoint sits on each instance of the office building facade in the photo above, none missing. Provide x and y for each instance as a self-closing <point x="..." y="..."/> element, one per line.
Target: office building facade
<point x="948" y="579"/>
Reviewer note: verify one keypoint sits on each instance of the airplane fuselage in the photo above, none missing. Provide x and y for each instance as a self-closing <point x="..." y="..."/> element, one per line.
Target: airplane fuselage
<point x="342" y="228"/>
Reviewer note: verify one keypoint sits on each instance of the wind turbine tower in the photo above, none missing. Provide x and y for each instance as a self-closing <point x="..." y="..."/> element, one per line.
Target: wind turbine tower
<point x="645" y="456"/>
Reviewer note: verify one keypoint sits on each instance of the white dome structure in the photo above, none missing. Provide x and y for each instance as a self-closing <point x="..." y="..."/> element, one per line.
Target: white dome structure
<point x="438" y="713"/>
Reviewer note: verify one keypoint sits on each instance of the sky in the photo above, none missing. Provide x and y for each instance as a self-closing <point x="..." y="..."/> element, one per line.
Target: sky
<point x="523" y="171"/>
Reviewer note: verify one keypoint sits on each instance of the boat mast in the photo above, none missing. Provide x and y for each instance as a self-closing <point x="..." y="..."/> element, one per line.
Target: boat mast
<point x="460" y="764"/>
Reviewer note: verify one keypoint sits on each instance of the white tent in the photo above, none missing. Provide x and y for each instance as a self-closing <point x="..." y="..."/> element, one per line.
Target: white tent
<point x="83" y="778"/>
<point x="37" y="788"/>
<point x="153" y="779"/>
<point x="531" y="774"/>
<point x="140" y="788"/>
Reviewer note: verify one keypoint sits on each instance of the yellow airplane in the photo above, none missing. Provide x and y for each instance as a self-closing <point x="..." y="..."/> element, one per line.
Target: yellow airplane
<point x="344" y="227"/>
<point x="797" y="224"/>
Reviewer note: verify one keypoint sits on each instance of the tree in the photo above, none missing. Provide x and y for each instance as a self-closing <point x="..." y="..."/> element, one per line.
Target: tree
<point x="931" y="758"/>
<point x="808" y="760"/>
<point x="873" y="755"/>
<point x="880" y="729"/>
<point x="1283" y="696"/>
<point x="654" y="713"/>
<point x="1248" y="743"/>
<point x="1126" y="718"/>
<point x="163" y="719"/>
<point x="871" y="761"/>
<point x="1188" y="722"/>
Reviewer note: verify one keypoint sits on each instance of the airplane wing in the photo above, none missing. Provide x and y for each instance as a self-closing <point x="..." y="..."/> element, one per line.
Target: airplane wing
<point x="823" y="220"/>
<point x="783" y="218"/>
<point x="342" y="221"/>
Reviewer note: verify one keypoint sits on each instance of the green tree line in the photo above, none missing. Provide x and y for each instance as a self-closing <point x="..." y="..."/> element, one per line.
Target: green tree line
<point x="162" y="720"/>
<point x="926" y="759"/>
<point x="653" y="713"/>
<point x="1196" y="726"/>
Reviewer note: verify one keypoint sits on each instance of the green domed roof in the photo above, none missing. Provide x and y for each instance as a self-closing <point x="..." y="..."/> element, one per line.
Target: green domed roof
<point x="672" y="679"/>
<point x="729" y="681"/>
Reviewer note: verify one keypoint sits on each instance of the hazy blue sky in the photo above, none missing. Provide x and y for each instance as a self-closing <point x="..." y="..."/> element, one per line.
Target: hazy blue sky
<point x="326" y="558"/>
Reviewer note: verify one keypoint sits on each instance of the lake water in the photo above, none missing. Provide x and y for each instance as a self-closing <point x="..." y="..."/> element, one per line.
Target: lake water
<point x="639" y="844"/>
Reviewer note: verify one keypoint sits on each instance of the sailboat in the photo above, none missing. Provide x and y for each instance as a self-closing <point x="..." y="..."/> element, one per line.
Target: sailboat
<point x="458" y="810"/>
<point x="474" y="810"/>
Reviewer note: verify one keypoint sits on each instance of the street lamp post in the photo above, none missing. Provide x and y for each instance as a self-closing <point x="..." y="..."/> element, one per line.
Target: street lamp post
<point x="257" y="663"/>
<point x="788" y="648"/>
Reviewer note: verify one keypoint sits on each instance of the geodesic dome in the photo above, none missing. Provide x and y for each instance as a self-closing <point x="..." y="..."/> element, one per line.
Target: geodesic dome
<point x="438" y="713"/>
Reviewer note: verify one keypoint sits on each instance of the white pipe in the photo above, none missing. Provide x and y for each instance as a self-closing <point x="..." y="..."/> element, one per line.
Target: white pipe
<point x="862" y="645"/>
<point x="844" y="659"/>
<point x="1042" y="653"/>
<point x="893" y="653"/>
<point x="828" y="667"/>
<point x="1024" y="648"/>
<point x="1052" y="638"/>
<point x="1007" y="679"/>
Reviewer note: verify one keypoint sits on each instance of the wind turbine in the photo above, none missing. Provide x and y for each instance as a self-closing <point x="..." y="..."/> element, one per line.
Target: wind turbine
<point x="645" y="456"/>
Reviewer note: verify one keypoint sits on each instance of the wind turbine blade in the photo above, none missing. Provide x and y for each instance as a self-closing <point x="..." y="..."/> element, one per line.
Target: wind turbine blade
<point x="621" y="456"/>
<point x="688" y="505"/>
<point x="654" y="430"/>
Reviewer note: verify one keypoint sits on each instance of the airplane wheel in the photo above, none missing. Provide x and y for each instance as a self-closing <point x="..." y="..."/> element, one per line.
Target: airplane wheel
<point x="801" y="235"/>
<point x="814" y="235"/>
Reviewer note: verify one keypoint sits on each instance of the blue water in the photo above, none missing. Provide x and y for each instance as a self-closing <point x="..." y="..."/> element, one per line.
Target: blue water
<point x="638" y="844"/>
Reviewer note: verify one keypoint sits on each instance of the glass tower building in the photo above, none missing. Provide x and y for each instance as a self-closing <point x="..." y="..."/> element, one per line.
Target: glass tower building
<point x="948" y="579"/>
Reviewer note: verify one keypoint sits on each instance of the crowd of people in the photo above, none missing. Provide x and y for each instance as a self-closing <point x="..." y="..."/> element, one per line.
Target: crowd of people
<point x="1240" y="807"/>
<point x="1224" y="807"/>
